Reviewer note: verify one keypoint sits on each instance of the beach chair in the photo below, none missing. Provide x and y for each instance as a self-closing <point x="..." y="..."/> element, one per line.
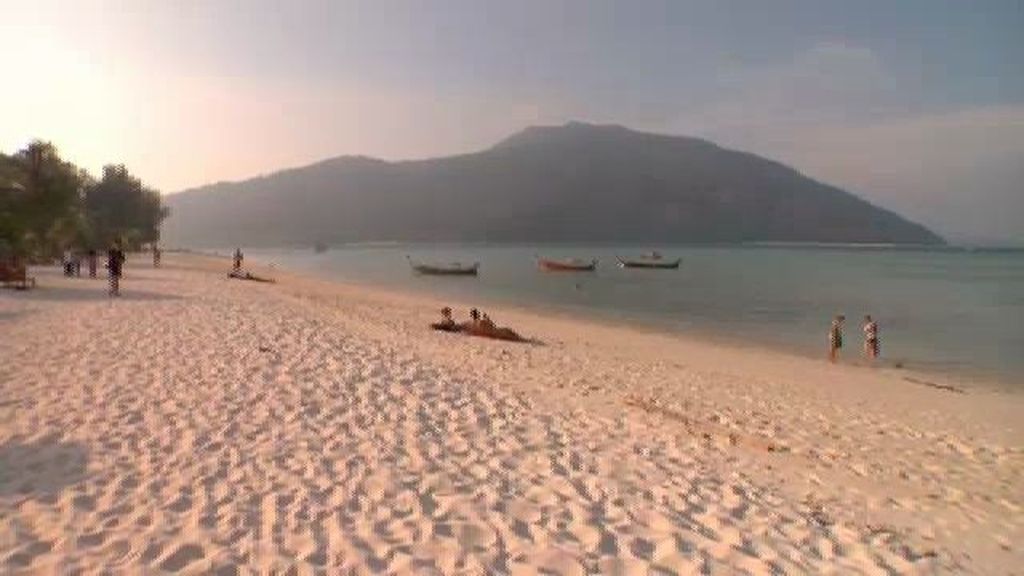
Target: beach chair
<point x="15" y="276"/>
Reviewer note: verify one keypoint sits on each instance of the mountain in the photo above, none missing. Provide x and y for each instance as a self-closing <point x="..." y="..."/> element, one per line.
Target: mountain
<point x="577" y="182"/>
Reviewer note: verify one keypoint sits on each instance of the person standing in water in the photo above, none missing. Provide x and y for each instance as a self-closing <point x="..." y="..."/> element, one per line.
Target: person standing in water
<point x="870" y="338"/>
<point x="115" y="259"/>
<point x="835" y="337"/>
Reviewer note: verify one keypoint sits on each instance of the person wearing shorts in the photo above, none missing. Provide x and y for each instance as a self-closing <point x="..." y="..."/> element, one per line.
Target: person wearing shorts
<point x="871" y="348"/>
<point x="835" y="337"/>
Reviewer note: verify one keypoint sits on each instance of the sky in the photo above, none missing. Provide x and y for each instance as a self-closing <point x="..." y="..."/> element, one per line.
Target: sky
<point x="915" y="105"/>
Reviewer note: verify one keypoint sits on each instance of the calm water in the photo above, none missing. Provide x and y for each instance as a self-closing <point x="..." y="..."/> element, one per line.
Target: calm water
<point x="952" y="311"/>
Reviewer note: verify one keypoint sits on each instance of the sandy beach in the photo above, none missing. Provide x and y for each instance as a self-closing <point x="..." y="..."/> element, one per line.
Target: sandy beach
<point x="202" y="425"/>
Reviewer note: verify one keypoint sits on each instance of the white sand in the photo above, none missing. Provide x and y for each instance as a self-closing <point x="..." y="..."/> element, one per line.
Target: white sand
<point x="204" y="425"/>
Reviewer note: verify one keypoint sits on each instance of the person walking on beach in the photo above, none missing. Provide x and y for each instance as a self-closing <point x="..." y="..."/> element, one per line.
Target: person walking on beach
<point x="870" y="338"/>
<point x="156" y="256"/>
<point x="72" y="263"/>
<point x="115" y="259"/>
<point x="92" y="262"/>
<point x="835" y="337"/>
<point x="237" y="264"/>
<point x="68" y="262"/>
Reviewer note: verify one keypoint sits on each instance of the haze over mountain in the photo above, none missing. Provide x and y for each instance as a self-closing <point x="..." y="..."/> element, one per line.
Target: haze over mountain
<point x="576" y="182"/>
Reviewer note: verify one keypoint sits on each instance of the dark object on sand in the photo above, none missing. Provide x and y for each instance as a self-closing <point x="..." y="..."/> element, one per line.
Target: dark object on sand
<point x="452" y="269"/>
<point x="650" y="261"/>
<point x="244" y="275"/>
<point x="571" y="265"/>
<point x="14" y="275"/>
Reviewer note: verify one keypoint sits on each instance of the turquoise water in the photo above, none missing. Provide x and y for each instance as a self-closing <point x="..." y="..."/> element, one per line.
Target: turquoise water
<point x="952" y="311"/>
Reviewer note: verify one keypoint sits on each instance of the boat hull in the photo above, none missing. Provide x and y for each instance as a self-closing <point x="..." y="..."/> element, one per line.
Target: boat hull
<point x="428" y="270"/>
<point x="558" y="266"/>
<point x="651" y="264"/>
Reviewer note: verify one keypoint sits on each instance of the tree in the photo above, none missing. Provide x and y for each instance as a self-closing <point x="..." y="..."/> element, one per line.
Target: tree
<point x="48" y="204"/>
<point x="12" y="227"/>
<point x="120" y="207"/>
<point x="40" y="201"/>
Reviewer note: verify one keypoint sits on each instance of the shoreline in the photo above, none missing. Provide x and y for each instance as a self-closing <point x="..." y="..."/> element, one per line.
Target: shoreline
<point x="958" y="380"/>
<point x="322" y="426"/>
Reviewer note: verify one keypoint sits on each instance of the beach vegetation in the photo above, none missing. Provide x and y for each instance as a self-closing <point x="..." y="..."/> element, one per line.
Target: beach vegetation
<point x="48" y="204"/>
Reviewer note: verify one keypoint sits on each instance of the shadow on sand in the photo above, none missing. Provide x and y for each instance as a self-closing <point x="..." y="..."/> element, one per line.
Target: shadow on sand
<point x="95" y="290"/>
<point x="40" y="469"/>
<point x="10" y="315"/>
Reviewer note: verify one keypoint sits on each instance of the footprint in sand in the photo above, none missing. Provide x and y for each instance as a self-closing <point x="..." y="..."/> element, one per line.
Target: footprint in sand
<point x="182" y="557"/>
<point x="118" y="552"/>
<point x="28" y="554"/>
<point x="151" y="552"/>
<point x="182" y="504"/>
<point x="84" y="502"/>
<point x="92" y="540"/>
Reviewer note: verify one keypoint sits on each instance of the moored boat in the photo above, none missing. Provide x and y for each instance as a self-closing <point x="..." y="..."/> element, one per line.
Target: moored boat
<point x="451" y="269"/>
<point x="652" y="260"/>
<point x="570" y="265"/>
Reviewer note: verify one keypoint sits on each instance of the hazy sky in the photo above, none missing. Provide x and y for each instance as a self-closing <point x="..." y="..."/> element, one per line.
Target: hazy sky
<point x="915" y="105"/>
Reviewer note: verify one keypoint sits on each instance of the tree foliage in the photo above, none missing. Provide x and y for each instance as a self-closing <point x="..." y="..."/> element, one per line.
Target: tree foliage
<point x="48" y="204"/>
<point x="120" y="207"/>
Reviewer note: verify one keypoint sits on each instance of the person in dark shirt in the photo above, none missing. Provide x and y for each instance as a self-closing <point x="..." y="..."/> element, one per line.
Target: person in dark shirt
<point x="237" y="265"/>
<point x="115" y="260"/>
<point x="92" y="262"/>
<point x="68" y="262"/>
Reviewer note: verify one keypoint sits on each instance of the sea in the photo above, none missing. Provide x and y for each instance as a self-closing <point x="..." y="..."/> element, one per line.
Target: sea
<point x="956" y="312"/>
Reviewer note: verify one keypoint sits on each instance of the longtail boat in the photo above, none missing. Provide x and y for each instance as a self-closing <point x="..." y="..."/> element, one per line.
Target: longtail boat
<point x="650" y="261"/>
<point x="452" y="269"/>
<point x="571" y="265"/>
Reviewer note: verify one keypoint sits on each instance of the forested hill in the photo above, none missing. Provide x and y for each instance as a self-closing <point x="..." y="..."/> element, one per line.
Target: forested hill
<point x="577" y="182"/>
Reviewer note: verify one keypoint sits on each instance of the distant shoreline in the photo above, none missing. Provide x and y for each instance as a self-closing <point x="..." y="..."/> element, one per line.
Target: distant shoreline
<point x="972" y="378"/>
